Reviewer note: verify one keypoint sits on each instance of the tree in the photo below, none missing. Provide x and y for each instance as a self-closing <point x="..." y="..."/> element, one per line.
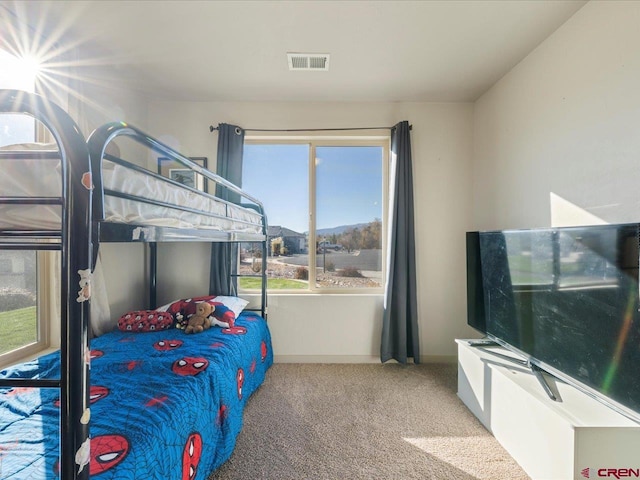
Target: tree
<point x="369" y="238"/>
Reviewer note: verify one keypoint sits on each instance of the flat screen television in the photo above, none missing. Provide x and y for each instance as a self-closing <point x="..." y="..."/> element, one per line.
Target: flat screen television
<point x="567" y="300"/>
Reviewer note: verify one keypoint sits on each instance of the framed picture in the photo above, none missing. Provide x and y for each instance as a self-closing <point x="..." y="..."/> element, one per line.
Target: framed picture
<point x="177" y="172"/>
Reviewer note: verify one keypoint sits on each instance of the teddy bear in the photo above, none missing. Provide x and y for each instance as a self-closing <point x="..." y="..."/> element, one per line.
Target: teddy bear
<point x="199" y="321"/>
<point x="85" y="285"/>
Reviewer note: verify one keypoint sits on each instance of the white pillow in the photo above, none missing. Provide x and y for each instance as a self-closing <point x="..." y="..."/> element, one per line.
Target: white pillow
<point x="235" y="304"/>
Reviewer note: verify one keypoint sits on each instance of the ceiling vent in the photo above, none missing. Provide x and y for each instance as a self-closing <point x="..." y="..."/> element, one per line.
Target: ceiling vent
<point x="308" y="61"/>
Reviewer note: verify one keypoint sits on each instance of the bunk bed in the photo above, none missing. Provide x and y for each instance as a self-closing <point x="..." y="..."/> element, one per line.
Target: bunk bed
<point x="157" y="403"/>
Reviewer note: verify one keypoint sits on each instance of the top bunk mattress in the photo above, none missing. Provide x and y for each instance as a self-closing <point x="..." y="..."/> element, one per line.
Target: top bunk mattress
<point x="30" y="177"/>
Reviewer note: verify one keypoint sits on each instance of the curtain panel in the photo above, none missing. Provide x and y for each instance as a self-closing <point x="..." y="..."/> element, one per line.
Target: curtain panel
<point x="400" y="339"/>
<point x="229" y="166"/>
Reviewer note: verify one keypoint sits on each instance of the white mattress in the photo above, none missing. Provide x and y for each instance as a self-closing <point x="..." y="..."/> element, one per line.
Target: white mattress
<point x="42" y="178"/>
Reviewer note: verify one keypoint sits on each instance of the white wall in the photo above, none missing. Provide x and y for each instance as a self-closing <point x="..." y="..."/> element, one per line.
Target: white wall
<point x="94" y="104"/>
<point x="557" y="140"/>
<point x="347" y="327"/>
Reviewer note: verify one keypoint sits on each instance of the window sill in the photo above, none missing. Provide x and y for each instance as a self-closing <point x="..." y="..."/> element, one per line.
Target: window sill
<point x="315" y="293"/>
<point x="26" y="358"/>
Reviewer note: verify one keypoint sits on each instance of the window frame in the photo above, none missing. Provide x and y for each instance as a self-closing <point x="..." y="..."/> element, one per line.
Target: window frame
<point x="376" y="139"/>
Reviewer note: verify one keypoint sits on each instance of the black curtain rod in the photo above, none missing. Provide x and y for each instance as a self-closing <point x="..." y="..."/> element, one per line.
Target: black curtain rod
<point x="212" y="129"/>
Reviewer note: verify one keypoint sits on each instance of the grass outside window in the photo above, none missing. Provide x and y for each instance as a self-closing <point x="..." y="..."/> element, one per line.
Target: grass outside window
<point x="272" y="284"/>
<point x="18" y="328"/>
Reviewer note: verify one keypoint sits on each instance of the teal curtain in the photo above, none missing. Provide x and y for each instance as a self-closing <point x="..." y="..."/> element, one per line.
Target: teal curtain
<point x="229" y="166"/>
<point x="400" y="339"/>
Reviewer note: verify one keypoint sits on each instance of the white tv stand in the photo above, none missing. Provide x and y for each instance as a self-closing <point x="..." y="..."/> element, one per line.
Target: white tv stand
<point x="575" y="437"/>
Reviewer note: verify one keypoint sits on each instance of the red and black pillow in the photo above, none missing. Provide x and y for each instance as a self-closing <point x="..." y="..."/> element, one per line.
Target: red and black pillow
<point x="145" y="321"/>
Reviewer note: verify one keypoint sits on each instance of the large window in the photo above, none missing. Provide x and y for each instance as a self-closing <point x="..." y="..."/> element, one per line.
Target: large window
<point x="325" y="203"/>
<point x="21" y="330"/>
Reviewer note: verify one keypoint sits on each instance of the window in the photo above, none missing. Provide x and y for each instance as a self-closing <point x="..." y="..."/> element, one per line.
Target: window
<point x="18" y="309"/>
<point x="19" y="74"/>
<point x="22" y="332"/>
<point x="325" y="203"/>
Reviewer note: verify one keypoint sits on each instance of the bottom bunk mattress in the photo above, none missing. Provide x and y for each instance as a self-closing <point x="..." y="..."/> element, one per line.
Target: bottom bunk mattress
<point x="164" y="404"/>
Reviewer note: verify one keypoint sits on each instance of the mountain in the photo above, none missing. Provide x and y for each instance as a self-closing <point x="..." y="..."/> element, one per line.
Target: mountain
<point x="339" y="230"/>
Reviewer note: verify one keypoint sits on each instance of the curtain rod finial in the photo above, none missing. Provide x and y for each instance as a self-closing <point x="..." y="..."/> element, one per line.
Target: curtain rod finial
<point x="212" y="128"/>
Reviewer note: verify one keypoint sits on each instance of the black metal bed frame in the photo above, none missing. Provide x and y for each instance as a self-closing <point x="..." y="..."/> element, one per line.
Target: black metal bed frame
<point x="152" y="235"/>
<point x="73" y="239"/>
<point x="81" y="231"/>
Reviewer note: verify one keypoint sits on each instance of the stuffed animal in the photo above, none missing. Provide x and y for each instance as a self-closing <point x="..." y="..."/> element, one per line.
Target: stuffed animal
<point x="85" y="285"/>
<point x="199" y="321"/>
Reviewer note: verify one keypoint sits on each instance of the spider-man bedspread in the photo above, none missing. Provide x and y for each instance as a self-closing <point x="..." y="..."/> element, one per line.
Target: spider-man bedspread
<point x="164" y="405"/>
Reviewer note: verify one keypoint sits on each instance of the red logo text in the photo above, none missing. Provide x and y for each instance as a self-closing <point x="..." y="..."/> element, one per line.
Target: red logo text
<point x="619" y="472"/>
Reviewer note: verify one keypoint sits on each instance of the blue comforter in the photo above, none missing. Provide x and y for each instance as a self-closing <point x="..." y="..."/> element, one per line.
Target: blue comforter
<point x="164" y="405"/>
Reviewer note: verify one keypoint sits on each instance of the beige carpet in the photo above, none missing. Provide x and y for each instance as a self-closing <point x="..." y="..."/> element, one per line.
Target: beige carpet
<point x="334" y="422"/>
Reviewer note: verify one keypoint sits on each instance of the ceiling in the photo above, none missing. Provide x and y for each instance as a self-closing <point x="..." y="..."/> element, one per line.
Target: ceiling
<point x="436" y="51"/>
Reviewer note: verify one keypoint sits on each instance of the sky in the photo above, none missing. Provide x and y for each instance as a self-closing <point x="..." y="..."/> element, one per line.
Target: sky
<point x="348" y="184"/>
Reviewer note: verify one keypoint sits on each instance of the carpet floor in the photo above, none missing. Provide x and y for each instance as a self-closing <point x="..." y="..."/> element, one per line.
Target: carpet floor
<point x="364" y="421"/>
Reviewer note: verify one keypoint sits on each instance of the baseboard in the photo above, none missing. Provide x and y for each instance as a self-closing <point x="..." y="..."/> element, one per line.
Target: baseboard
<point x="356" y="359"/>
<point x="439" y="359"/>
<point x="325" y="359"/>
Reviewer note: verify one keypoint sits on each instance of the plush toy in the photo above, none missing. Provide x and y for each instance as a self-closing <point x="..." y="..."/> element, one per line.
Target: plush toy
<point x="199" y="321"/>
<point x="182" y="310"/>
<point x="85" y="285"/>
